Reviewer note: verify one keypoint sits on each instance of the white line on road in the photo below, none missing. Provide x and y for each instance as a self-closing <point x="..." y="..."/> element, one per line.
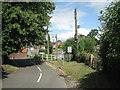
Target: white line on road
<point x="39" y="77"/>
<point x="40" y="73"/>
<point x="39" y="68"/>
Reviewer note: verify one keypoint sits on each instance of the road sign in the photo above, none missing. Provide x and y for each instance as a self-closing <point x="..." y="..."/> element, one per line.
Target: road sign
<point x="69" y="49"/>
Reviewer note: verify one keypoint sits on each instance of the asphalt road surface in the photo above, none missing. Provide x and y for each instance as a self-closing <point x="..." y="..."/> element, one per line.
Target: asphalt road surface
<point x="33" y="74"/>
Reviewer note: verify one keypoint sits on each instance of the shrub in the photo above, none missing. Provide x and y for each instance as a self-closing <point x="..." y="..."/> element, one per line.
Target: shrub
<point x="87" y="59"/>
<point x="83" y="57"/>
<point x="43" y="50"/>
<point x="110" y="39"/>
<point x="36" y="57"/>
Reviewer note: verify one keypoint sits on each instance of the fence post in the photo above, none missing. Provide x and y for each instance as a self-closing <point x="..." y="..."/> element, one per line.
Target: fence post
<point x="91" y="58"/>
<point x="42" y="56"/>
<point x="54" y="58"/>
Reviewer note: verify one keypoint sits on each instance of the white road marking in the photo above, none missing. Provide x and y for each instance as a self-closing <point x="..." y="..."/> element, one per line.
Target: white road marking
<point x="40" y="73"/>
<point x="39" y="68"/>
<point x="39" y="77"/>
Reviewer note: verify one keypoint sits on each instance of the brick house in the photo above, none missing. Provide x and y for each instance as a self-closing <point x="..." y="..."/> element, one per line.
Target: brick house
<point x="54" y="44"/>
<point x="20" y="54"/>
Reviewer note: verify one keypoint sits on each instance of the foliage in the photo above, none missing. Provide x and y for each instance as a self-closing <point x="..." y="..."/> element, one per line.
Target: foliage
<point x="37" y="57"/>
<point x="83" y="57"/>
<point x="50" y="45"/>
<point x="60" y="46"/>
<point x="70" y="42"/>
<point x="59" y="41"/>
<point x="7" y="67"/>
<point x="23" y="24"/>
<point x="86" y="46"/>
<point x="89" y="44"/>
<point x="43" y="50"/>
<point x="93" y="33"/>
<point x="110" y="40"/>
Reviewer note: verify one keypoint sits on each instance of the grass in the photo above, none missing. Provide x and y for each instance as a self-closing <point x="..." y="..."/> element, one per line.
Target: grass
<point x="86" y="76"/>
<point x="9" y="67"/>
<point x="76" y="70"/>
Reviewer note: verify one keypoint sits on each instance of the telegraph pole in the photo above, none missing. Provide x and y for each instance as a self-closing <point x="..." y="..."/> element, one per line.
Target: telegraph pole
<point x="76" y="32"/>
<point x="56" y="49"/>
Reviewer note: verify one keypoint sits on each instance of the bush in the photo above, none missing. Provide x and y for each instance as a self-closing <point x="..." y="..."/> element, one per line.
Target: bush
<point x="43" y="50"/>
<point x="36" y="57"/>
<point x="87" y="59"/>
<point x="83" y="57"/>
<point x="110" y="39"/>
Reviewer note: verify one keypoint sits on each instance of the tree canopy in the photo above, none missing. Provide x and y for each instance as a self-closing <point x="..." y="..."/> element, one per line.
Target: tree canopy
<point x="110" y="39"/>
<point x="85" y="44"/>
<point x="23" y="24"/>
<point x="93" y="33"/>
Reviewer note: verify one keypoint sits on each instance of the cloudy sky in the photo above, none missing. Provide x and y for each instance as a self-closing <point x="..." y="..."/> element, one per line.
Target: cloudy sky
<point x="63" y="22"/>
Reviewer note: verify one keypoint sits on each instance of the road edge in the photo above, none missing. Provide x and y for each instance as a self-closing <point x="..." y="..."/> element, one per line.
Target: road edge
<point x="49" y="64"/>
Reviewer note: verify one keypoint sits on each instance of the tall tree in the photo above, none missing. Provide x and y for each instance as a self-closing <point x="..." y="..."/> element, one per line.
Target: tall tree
<point x="93" y="33"/>
<point x="50" y="45"/>
<point x="110" y="40"/>
<point x="23" y="24"/>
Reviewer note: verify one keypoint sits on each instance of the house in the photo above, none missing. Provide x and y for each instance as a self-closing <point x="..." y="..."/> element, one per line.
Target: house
<point x="20" y="54"/>
<point x="31" y="50"/>
<point x="54" y="44"/>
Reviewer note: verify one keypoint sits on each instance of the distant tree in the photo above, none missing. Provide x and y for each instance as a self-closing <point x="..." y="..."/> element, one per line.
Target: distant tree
<point x="93" y="33"/>
<point x="81" y="36"/>
<point x="89" y="45"/>
<point x="50" y="45"/>
<point x="23" y="24"/>
<point x="59" y="41"/>
<point x="60" y="46"/>
<point x="110" y="39"/>
<point x="85" y="44"/>
<point x="69" y="42"/>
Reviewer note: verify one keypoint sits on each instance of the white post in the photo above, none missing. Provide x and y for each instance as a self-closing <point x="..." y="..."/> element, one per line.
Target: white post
<point x="63" y="58"/>
<point x="54" y="57"/>
<point x="42" y="56"/>
<point x="69" y="57"/>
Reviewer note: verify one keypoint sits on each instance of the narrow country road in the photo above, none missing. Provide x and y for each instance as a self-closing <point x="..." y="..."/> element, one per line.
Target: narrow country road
<point x="34" y="74"/>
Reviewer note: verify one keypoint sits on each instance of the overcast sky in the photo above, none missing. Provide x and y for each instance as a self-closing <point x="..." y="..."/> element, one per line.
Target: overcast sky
<point x="63" y="23"/>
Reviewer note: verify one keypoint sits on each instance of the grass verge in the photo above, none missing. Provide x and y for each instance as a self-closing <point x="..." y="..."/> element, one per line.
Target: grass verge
<point x="76" y="70"/>
<point x="86" y="76"/>
<point x="9" y="67"/>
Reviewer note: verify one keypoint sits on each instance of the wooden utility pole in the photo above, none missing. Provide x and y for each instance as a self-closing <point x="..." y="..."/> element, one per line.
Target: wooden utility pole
<point x="76" y="32"/>
<point x="56" y="49"/>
